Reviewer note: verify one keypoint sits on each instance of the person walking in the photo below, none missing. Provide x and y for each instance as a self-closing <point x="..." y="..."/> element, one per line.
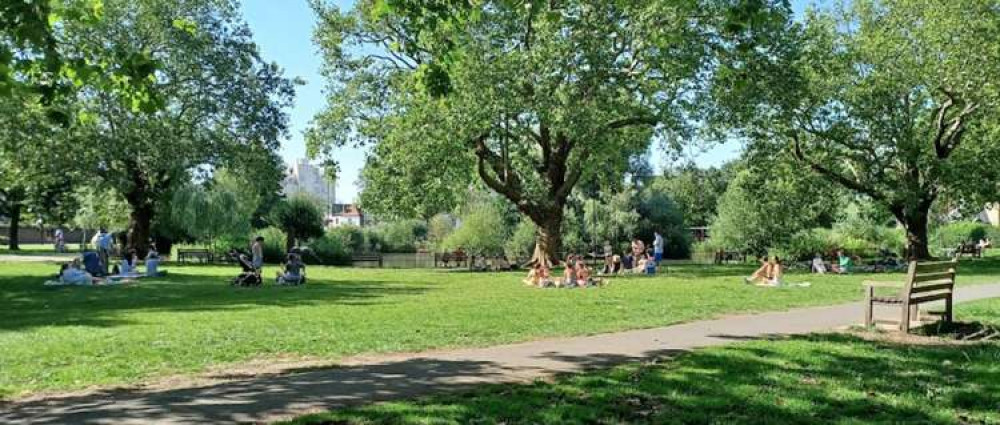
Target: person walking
<point x="60" y="240"/>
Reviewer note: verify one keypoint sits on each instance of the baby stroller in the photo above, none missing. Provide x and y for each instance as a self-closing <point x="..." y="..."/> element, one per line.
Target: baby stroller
<point x="249" y="276"/>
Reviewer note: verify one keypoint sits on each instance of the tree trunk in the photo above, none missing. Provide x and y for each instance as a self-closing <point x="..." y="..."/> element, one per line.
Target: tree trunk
<point x="916" y="235"/>
<point x="139" y="226"/>
<point x="548" y="241"/>
<point x="13" y="239"/>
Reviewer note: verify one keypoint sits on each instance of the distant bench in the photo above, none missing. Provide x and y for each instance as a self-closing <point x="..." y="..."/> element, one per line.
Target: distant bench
<point x="202" y="255"/>
<point x="722" y="256"/>
<point x="446" y="259"/>
<point x="970" y="249"/>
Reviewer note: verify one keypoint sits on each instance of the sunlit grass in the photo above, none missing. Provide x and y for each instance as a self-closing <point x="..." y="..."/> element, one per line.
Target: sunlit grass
<point x="57" y="339"/>
<point x="801" y="380"/>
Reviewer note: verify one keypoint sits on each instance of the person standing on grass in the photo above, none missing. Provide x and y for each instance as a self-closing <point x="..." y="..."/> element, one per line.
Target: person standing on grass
<point x="657" y="248"/>
<point x="103" y="242"/>
<point x="257" y="253"/>
<point x="60" y="240"/>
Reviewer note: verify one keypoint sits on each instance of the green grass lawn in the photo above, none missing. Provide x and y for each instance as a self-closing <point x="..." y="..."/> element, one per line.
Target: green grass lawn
<point x="831" y="378"/>
<point x="56" y="339"/>
<point x="38" y="249"/>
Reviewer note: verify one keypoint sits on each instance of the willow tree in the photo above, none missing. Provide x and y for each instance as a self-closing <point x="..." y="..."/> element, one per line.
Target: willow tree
<point x="528" y="98"/>
<point x="895" y="100"/>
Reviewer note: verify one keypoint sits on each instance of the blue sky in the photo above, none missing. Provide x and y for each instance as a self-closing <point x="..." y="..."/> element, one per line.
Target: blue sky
<point x="283" y="29"/>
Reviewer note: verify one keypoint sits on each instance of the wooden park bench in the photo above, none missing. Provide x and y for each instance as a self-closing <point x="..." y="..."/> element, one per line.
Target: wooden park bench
<point x="970" y="249"/>
<point x="202" y="255"/>
<point x="367" y="258"/>
<point x="925" y="282"/>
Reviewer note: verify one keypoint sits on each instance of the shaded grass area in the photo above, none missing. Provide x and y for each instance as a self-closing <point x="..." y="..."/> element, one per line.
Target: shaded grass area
<point x="829" y="378"/>
<point x="68" y="338"/>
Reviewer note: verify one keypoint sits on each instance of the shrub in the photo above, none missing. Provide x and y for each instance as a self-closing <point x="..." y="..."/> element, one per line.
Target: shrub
<point x="402" y="236"/>
<point x="352" y="238"/>
<point x="482" y="232"/>
<point x="952" y="234"/>
<point x="522" y="242"/>
<point x="657" y="212"/>
<point x="807" y="243"/>
<point x="438" y="228"/>
<point x="328" y="250"/>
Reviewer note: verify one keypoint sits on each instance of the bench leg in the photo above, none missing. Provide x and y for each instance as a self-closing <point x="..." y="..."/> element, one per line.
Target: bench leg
<point x="869" y="314"/>
<point x="904" y="324"/>
<point x="915" y="312"/>
<point x="948" y="310"/>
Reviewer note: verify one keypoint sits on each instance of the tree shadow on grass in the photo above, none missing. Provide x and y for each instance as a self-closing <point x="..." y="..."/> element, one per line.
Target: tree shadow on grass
<point x="805" y="380"/>
<point x="27" y="303"/>
<point x="802" y="380"/>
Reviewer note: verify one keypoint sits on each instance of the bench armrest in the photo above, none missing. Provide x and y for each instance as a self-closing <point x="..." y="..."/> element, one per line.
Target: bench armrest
<point x="883" y="284"/>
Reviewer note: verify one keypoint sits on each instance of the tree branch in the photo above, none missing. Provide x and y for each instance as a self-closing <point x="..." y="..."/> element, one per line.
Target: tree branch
<point x="631" y="121"/>
<point x="506" y="184"/>
<point x="833" y="175"/>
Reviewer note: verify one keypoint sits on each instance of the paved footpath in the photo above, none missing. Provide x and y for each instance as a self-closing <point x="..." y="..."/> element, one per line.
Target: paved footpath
<point x="269" y="398"/>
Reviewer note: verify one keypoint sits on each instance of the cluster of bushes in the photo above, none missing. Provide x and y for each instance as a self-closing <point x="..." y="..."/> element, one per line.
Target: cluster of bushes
<point x="952" y="234"/>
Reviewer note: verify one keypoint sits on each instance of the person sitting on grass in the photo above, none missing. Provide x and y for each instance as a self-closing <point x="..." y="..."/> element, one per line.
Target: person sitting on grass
<point x="294" y="272"/>
<point x="153" y="262"/>
<point x="769" y="273"/>
<point x="818" y="265"/>
<point x="128" y="263"/>
<point x="569" y="272"/>
<point x="582" y="273"/>
<point x="612" y="267"/>
<point x="538" y="276"/>
<point x="628" y="262"/>
<point x="845" y="264"/>
<point x="651" y="264"/>
<point x="640" y="263"/>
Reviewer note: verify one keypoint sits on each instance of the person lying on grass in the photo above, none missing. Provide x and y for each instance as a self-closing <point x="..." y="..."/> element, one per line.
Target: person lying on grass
<point x="72" y="274"/>
<point x="769" y="273"/>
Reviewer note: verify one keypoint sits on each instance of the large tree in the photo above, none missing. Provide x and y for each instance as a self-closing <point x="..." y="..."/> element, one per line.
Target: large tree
<point x="896" y="100"/>
<point x="222" y="104"/>
<point x="527" y="97"/>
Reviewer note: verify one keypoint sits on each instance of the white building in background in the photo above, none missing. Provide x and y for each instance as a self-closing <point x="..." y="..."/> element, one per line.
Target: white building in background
<point x="344" y="215"/>
<point x="307" y="179"/>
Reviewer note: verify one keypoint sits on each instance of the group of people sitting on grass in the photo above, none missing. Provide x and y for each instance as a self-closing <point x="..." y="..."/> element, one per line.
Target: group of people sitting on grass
<point x="637" y="260"/>
<point x="844" y="263"/>
<point x="576" y="274"/>
<point x="91" y="268"/>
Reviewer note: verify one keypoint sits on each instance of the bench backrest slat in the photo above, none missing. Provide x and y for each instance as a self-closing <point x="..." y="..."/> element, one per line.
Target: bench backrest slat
<point x="929" y="281"/>
<point x="935" y="267"/>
